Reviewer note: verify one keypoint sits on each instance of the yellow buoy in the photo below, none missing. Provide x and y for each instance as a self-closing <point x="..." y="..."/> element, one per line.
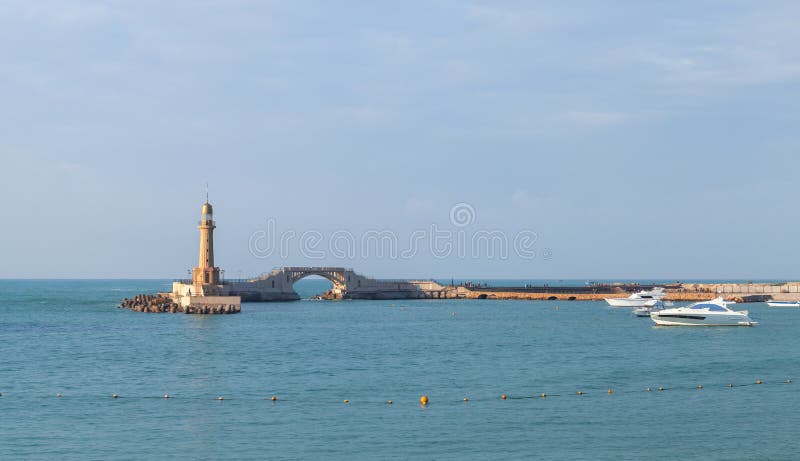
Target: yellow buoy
<point x="758" y="381"/>
<point x="423" y="400"/>
<point x="466" y="399"/>
<point x="389" y="402"/>
<point x="609" y="391"/>
<point x="503" y="397"/>
<point x="346" y="401"/>
<point x="220" y="398"/>
<point x="699" y="386"/>
<point x="660" y="388"/>
<point x="580" y="392"/>
<point x="543" y="395"/>
<point x="114" y="396"/>
<point x="273" y="398"/>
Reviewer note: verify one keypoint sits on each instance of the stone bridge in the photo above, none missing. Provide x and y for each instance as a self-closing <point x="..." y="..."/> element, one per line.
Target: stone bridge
<point x="338" y="276"/>
<point x="277" y="285"/>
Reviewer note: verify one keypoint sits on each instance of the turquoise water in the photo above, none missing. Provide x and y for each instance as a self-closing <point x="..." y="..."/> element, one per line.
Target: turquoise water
<point x="68" y="337"/>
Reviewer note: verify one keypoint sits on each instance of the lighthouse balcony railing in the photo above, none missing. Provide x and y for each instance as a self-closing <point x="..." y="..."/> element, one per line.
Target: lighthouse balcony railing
<point x="221" y="282"/>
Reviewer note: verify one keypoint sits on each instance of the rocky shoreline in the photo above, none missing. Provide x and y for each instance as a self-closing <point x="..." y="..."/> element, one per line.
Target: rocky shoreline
<point x="164" y="305"/>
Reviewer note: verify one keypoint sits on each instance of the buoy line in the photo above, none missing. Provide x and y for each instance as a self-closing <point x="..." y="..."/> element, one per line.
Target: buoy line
<point x="424" y="401"/>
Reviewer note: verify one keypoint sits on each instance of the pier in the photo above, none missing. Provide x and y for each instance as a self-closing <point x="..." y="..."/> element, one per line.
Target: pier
<point x="739" y="292"/>
<point x="277" y="285"/>
<point x="208" y="293"/>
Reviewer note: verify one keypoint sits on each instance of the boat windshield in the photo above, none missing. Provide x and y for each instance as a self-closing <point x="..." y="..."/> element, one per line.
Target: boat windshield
<point x="711" y="307"/>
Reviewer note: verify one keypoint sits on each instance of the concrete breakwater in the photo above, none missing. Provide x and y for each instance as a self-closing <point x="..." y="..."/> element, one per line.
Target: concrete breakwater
<point x="738" y="292"/>
<point x="164" y="304"/>
<point x="501" y="293"/>
<point x="688" y="292"/>
<point x="278" y="285"/>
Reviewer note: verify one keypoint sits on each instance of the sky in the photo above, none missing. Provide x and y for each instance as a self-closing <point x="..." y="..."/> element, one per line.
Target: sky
<point x="618" y="140"/>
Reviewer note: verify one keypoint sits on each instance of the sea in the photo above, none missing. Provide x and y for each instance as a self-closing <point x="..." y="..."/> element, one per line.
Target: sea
<point x="582" y="380"/>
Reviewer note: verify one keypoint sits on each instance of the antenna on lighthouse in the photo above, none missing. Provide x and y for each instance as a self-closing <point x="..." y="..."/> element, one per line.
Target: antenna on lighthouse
<point x="206" y="191"/>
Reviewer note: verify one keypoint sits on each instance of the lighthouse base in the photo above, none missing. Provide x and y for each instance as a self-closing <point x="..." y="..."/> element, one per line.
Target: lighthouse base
<point x="211" y="304"/>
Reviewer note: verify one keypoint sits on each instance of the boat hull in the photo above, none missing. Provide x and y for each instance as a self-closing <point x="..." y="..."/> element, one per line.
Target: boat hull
<point x="782" y="304"/>
<point x="627" y="302"/>
<point x="700" y="320"/>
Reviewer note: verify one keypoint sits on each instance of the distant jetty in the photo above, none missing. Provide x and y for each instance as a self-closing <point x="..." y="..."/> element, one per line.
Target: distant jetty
<point x="207" y="293"/>
<point x="674" y="292"/>
<point x="411" y="289"/>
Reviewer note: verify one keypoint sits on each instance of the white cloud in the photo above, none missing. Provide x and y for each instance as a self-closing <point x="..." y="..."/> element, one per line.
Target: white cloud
<point x="359" y="114"/>
<point x="391" y="44"/>
<point x="516" y="19"/>
<point x="520" y="196"/>
<point x="754" y="47"/>
<point x="723" y="66"/>
<point x="64" y="13"/>
<point x="597" y="118"/>
<point x="419" y="206"/>
<point x="65" y="165"/>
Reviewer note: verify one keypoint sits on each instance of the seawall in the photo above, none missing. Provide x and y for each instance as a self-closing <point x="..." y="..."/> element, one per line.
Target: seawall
<point x="739" y="292"/>
<point x="567" y="296"/>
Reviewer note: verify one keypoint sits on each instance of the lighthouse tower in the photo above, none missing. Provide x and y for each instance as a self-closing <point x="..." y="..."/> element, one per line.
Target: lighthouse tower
<point x="205" y="277"/>
<point x="206" y="294"/>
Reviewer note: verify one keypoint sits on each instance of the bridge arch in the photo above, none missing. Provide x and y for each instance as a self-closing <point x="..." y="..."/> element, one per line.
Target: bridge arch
<point x="336" y="275"/>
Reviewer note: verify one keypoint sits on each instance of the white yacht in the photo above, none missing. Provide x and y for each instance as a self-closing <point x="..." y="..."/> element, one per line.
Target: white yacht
<point x="783" y="303"/>
<point x="646" y="310"/>
<point x="704" y="313"/>
<point x="640" y="299"/>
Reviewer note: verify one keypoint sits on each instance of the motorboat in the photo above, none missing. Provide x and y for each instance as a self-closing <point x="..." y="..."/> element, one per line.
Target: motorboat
<point x="646" y="310"/>
<point x="783" y="303"/>
<point x="704" y="313"/>
<point x="642" y="298"/>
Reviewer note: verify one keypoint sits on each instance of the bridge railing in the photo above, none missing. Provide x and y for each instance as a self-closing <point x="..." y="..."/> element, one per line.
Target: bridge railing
<point x="278" y="270"/>
<point x="316" y="269"/>
<point x="406" y="280"/>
